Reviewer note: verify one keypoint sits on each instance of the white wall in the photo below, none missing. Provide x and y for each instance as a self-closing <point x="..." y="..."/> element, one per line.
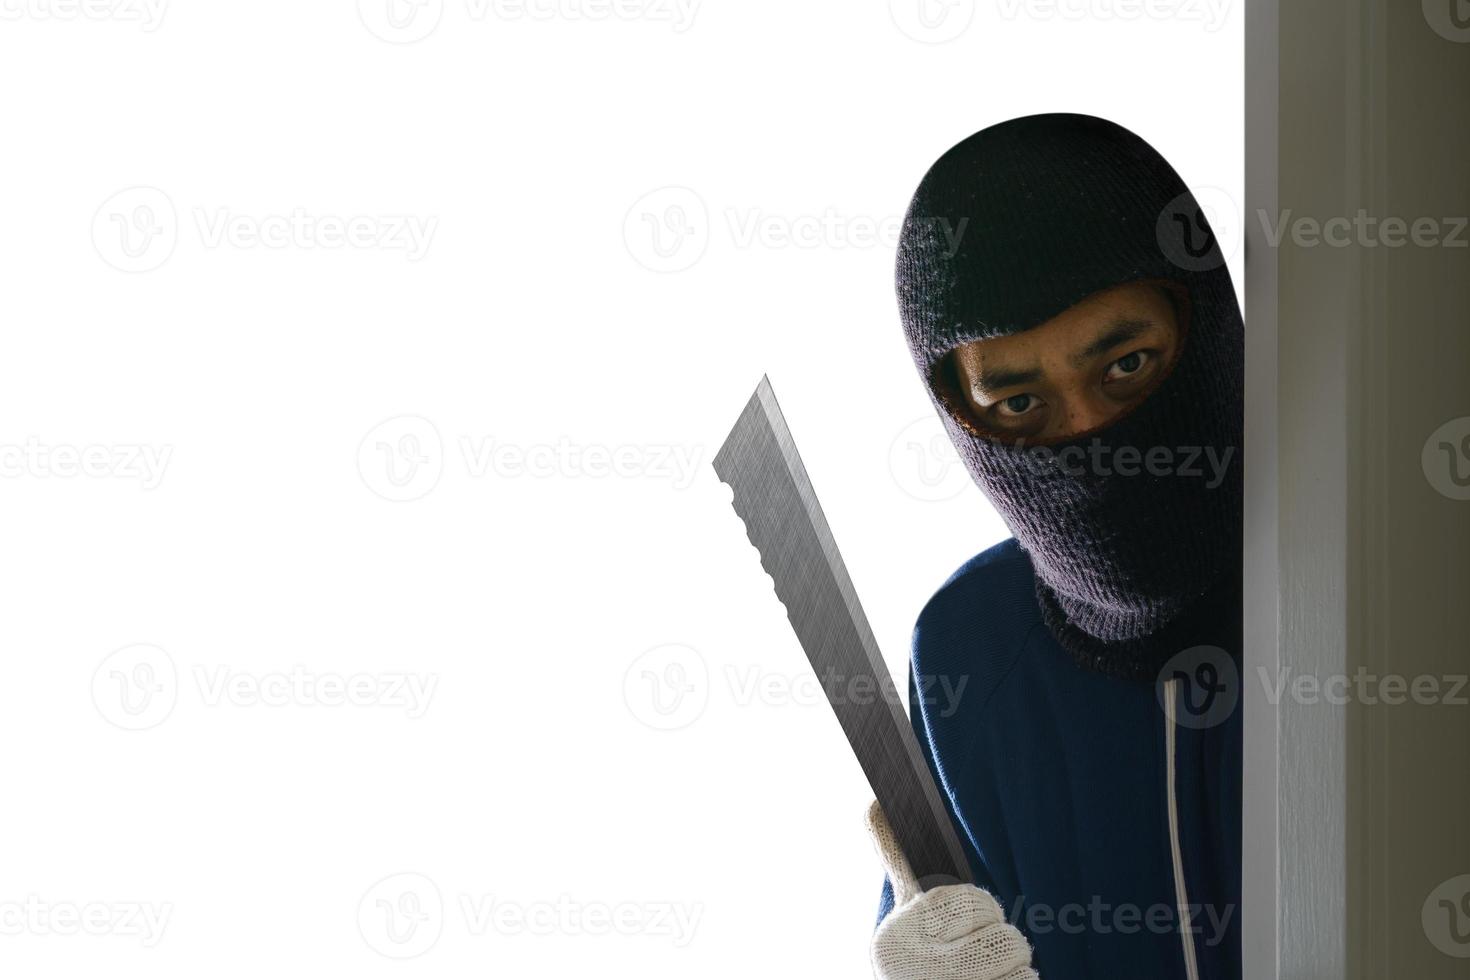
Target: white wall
<point x="525" y="316"/>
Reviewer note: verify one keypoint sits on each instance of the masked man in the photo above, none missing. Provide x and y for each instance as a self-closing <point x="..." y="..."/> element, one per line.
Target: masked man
<point x="1072" y="318"/>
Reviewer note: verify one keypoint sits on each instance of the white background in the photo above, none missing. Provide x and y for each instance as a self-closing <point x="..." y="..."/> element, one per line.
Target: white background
<point x="213" y="406"/>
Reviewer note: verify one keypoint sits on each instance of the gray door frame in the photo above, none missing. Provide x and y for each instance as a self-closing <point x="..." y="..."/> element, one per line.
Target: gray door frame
<point x="1357" y="549"/>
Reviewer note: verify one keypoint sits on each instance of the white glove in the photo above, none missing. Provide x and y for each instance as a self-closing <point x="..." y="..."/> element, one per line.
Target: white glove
<point x="953" y="932"/>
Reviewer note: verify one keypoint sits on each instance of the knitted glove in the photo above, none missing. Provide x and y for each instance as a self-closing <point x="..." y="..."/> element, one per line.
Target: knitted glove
<point x="953" y="932"/>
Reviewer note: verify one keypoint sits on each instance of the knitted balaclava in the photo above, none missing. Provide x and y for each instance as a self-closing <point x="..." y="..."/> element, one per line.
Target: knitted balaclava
<point x="1133" y="529"/>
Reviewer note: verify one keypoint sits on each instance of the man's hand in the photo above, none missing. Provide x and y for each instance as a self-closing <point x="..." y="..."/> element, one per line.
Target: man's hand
<point x="953" y="932"/>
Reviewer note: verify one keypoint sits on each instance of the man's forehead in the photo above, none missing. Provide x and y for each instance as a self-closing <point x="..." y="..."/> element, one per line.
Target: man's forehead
<point x="1080" y="337"/>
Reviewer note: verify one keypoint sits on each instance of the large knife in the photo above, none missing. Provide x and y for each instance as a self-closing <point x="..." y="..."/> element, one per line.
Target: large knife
<point x="785" y="523"/>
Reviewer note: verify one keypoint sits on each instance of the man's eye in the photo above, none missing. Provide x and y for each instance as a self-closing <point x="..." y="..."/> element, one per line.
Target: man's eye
<point x="1127" y="365"/>
<point x="1018" y="405"/>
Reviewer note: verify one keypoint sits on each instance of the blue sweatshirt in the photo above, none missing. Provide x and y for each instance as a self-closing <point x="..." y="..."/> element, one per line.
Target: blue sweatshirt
<point x="1099" y="820"/>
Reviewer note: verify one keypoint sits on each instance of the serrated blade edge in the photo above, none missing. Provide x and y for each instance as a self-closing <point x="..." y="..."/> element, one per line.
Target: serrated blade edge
<point x="773" y="495"/>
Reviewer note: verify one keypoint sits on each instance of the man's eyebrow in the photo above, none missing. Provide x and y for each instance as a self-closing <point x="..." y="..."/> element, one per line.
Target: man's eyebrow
<point x="995" y="379"/>
<point x="1119" y="333"/>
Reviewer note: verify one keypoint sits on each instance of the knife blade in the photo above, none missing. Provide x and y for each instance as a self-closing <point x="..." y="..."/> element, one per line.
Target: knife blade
<point x="774" y="497"/>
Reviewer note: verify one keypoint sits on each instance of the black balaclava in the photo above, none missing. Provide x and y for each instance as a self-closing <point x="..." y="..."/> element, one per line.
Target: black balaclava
<point x="1008" y="229"/>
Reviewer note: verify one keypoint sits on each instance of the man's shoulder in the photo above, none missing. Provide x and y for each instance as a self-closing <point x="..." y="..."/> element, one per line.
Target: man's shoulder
<point x="977" y="622"/>
<point x="996" y="584"/>
<point x="999" y="561"/>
